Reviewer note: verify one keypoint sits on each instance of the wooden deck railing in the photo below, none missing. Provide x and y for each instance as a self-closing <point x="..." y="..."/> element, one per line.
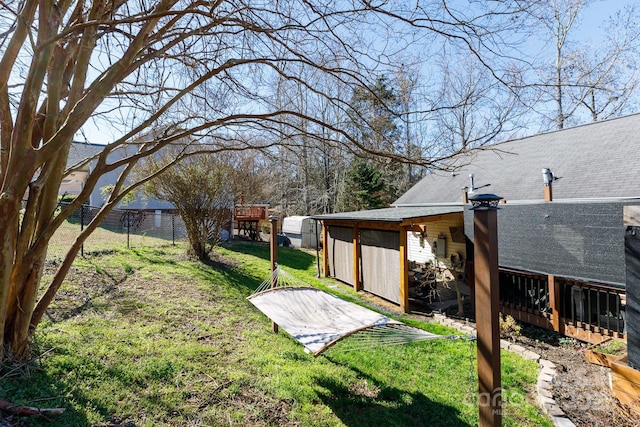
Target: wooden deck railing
<point x="525" y="297"/>
<point x="587" y="311"/>
<point x="593" y="308"/>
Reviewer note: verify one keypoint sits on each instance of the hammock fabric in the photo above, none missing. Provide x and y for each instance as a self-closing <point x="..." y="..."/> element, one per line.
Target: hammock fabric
<point x="319" y="320"/>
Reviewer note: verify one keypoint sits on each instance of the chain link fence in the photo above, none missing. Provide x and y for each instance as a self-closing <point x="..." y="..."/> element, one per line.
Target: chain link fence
<point x="126" y="228"/>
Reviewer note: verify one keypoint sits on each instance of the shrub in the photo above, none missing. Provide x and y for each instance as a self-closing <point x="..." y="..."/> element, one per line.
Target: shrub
<point x="509" y="327"/>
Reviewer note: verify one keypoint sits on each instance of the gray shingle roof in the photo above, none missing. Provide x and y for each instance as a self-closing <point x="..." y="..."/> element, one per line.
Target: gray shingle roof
<point x="595" y="161"/>
<point x="81" y="150"/>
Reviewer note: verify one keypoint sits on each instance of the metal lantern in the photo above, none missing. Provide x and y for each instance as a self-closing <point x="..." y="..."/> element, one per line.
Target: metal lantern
<point x="485" y="202"/>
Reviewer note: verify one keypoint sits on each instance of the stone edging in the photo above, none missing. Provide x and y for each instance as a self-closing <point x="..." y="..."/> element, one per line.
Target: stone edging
<point x="546" y="374"/>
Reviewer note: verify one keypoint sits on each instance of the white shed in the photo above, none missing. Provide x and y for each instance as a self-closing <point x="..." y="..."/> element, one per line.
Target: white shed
<point x="301" y="230"/>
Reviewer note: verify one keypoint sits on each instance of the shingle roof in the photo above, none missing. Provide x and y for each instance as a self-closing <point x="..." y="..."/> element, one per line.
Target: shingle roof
<point x="82" y="150"/>
<point x="595" y="161"/>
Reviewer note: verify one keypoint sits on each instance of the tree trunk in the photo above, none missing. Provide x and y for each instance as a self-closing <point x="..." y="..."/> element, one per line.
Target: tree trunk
<point x="20" y="339"/>
<point x="8" y="234"/>
<point x="559" y="83"/>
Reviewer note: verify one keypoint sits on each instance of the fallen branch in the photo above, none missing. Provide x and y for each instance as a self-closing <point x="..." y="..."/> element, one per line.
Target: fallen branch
<point x="14" y="409"/>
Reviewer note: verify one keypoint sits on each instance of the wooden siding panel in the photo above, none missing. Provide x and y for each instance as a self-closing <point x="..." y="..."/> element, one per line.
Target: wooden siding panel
<point x="419" y="248"/>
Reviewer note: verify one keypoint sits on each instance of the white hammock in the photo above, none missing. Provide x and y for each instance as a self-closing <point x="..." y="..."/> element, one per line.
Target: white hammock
<point x="318" y="320"/>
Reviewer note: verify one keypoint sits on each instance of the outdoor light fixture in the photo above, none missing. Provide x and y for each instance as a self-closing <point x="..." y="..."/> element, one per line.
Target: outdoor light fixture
<point x="547" y="176"/>
<point x="484" y="202"/>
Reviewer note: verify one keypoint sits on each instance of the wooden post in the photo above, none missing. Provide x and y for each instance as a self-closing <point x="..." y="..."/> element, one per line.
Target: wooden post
<point x="554" y="303"/>
<point x="485" y="223"/>
<point x="325" y="250"/>
<point x="274" y="258"/>
<point x="404" y="270"/>
<point x="471" y="281"/>
<point x="631" y="218"/>
<point x="357" y="286"/>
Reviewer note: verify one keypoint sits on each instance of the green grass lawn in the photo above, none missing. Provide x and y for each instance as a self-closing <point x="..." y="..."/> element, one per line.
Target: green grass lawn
<point x="102" y="239"/>
<point x="149" y="337"/>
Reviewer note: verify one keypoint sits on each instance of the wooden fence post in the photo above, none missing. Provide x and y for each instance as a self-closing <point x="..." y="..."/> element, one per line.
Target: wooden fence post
<point x="273" y="244"/>
<point x="486" y="275"/>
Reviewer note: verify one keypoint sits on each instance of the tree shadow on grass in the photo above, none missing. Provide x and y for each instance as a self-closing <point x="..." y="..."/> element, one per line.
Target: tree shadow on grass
<point x="377" y="404"/>
<point x="293" y="258"/>
<point x="41" y="391"/>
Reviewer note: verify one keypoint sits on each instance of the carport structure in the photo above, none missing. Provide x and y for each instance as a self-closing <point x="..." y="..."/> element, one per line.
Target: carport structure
<point x="369" y="250"/>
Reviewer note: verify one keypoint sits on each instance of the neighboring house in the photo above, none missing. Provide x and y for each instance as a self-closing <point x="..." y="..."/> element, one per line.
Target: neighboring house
<point x="74" y="182"/>
<point x="151" y="216"/>
<point x="561" y="246"/>
<point x="155" y="210"/>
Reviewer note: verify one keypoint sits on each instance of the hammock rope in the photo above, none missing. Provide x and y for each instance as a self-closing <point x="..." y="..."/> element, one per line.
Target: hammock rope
<point x="319" y="320"/>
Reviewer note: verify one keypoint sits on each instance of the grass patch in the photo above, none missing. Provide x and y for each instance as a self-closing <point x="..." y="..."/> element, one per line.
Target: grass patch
<point x="149" y="337"/>
<point x="614" y="348"/>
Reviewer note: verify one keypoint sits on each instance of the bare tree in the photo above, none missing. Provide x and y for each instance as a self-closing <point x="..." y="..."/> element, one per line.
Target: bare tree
<point x="598" y="77"/>
<point x="153" y="72"/>
<point x="406" y="80"/>
<point x="307" y="169"/>
<point x="608" y="77"/>
<point x="201" y="190"/>
<point x="473" y="109"/>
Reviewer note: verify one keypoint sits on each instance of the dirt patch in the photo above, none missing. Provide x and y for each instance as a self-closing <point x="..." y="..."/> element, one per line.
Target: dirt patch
<point x="580" y="388"/>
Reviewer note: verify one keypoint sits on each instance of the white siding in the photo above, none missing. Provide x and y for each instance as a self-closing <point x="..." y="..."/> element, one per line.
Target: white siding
<point x="420" y="249"/>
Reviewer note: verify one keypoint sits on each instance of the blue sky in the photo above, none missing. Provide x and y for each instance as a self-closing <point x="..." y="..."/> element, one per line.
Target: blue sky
<point x="589" y="28"/>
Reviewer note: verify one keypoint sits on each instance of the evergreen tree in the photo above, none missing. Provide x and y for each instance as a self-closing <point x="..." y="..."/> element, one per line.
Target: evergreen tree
<point x="366" y="187"/>
<point x="374" y="124"/>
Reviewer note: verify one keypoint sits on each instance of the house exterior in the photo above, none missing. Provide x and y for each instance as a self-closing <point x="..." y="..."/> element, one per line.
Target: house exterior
<point x="74" y="182"/>
<point x="143" y="215"/>
<point x="561" y="245"/>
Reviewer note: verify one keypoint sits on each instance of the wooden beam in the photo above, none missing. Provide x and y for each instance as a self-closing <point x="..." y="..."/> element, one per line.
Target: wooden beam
<point x="485" y="223"/>
<point x="433" y="218"/>
<point x="274" y="258"/>
<point x="404" y="271"/>
<point x="373" y="225"/>
<point x="416" y="228"/>
<point x="392" y="225"/>
<point x="325" y="250"/>
<point x="554" y="303"/>
<point x="357" y="286"/>
<point x="586" y="335"/>
<point x="527" y="317"/>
